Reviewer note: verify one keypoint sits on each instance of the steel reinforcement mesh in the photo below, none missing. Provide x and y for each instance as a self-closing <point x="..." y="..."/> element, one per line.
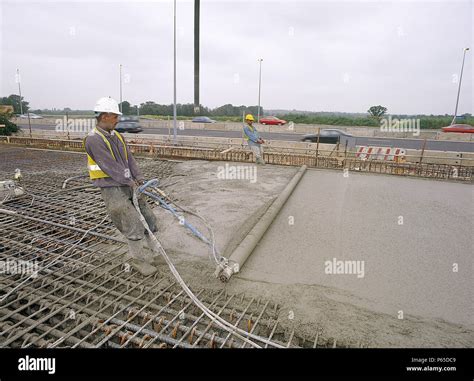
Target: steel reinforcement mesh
<point x="64" y="283"/>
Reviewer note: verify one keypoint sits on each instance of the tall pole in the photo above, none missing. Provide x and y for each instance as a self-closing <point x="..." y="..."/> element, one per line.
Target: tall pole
<point x="259" y="88"/>
<point x="196" y="56"/>
<point x="19" y="90"/>
<point x="174" y="74"/>
<point x="459" y="87"/>
<point x="120" y="71"/>
<point x="21" y="104"/>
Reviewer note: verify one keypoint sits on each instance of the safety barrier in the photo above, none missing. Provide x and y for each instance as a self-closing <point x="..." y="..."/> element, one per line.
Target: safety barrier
<point x="381" y="153"/>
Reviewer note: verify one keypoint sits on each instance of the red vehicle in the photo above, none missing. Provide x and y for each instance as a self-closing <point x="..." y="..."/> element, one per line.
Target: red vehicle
<point x="461" y="128"/>
<point x="273" y="120"/>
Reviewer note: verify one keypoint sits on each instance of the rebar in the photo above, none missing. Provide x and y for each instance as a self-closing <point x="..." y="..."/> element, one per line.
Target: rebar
<point x="82" y="294"/>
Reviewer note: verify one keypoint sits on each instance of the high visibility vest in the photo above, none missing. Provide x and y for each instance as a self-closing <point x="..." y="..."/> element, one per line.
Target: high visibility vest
<point x="95" y="172"/>
<point x="244" y="135"/>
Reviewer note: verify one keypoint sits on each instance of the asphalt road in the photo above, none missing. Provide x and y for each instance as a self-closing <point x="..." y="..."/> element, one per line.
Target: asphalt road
<point x="434" y="145"/>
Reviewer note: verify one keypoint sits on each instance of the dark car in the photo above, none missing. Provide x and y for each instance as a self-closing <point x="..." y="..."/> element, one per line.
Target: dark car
<point x="203" y="119"/>
<point x="133" y="127"/>
<point x="327" y="136"/>
<point x="129" y="118"/>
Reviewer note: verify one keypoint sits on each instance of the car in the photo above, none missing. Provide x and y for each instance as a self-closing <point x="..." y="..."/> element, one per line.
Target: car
<point x="129" y="118"/>
<point x="328" y="136"/>
<point x="459" y="128"/>
<point x="32" y="116"/>
<point x="203" y="119"/>
<point x="272" y="120"/>
<point x="132" y="127"/>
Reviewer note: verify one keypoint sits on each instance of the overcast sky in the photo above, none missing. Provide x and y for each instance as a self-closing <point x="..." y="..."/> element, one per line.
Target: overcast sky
<point x="318" y="56"/>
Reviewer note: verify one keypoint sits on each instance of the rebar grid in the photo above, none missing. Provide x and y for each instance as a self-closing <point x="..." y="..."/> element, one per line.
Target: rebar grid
<point x="81" y="293"/>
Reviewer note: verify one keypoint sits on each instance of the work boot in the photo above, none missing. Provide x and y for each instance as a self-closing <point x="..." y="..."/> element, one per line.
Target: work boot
<point x="143" y="267"/>
<point x="137" y="251"/>
<point x="260" y="161"/>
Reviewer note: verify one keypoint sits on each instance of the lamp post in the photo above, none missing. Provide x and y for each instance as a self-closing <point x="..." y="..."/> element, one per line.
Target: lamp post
<point x="459" y="87"/>
<point x="196" y="57"/>
<point x="120" y="73"/>
<point x="21" y="103"/>
<point x="19" y="89"/>
<point x="174" y="73"/>
<point x="259" y="88"/>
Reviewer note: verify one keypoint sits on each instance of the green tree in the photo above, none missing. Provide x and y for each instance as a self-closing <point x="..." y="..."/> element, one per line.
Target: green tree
<point x="377" y="111"/>
<point x="125" y="108"/>
<point x="9" y="126"/>
<point x="14" y="100"/>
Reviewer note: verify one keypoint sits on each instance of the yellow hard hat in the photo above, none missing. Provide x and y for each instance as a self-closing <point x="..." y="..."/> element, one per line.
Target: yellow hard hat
<point x="249" y="117"/>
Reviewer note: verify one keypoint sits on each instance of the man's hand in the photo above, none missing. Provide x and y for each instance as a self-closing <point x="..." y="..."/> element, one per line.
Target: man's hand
<point x="134" y="184"/>
<point x="261" y="141"/>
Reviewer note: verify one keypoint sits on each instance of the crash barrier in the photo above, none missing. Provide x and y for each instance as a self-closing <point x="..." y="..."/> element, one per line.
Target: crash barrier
<point x="344" y="161"/>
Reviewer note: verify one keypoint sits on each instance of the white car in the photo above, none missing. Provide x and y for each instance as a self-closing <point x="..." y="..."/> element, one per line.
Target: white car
<point x="32" y="116"/>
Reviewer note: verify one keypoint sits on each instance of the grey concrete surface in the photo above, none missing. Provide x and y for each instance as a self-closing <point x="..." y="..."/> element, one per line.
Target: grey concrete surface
<point x="407" y="267"/>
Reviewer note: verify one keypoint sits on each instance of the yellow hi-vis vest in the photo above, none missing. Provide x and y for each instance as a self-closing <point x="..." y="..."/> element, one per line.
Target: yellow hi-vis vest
<point x="244" y="135"/>
<point x="95" y="172"/>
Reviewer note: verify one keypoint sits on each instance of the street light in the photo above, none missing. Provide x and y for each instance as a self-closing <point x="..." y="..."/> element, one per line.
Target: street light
<point x="120" y="71"/>
<point x="459" y="86"/>
<point x="21" y="103"/>
<point x="174" y="73"/>
<point x="196" y="56"/>
<point x="259" y="88"/>
<point x="19" y="89"/>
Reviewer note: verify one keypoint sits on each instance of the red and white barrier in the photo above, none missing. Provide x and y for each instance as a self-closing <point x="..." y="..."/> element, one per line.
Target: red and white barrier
<point x="380" y="153"/>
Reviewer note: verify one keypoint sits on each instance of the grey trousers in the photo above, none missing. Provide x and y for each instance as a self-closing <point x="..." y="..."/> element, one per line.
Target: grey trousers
<point x="257" y="151"/>
<point x="119" y="205"/>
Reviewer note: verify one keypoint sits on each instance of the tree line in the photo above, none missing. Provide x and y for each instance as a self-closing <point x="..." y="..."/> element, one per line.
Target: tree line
<point x="229" y="112"/>
<point x="187" y="109"/>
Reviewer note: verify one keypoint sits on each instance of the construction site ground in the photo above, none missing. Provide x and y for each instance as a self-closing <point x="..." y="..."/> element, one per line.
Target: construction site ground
<point x="353" y="218"/>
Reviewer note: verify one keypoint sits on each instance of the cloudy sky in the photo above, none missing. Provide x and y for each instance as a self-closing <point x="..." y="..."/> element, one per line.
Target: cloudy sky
<point x="318" y="55"/>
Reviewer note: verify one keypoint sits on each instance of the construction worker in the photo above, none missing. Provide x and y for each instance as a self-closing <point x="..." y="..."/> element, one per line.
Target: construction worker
<point x="253" y="139"/>
<point x="113" y="169"/>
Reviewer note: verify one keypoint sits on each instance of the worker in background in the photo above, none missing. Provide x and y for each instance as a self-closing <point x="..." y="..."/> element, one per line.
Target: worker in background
<point x="113" y="169"/>
<point x="253" y="139"/>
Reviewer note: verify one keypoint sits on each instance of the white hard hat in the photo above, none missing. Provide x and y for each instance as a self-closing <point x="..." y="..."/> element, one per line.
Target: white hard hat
<point x="107" y="104"/>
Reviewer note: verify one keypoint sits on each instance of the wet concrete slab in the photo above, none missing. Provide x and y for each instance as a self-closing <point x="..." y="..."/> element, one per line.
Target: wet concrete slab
<point x="402" y="244"/>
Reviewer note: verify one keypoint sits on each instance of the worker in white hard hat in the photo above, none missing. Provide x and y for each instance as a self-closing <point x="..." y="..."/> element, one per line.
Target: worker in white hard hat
<point x="114" y="170"/>
<point x="253" y="138"/>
